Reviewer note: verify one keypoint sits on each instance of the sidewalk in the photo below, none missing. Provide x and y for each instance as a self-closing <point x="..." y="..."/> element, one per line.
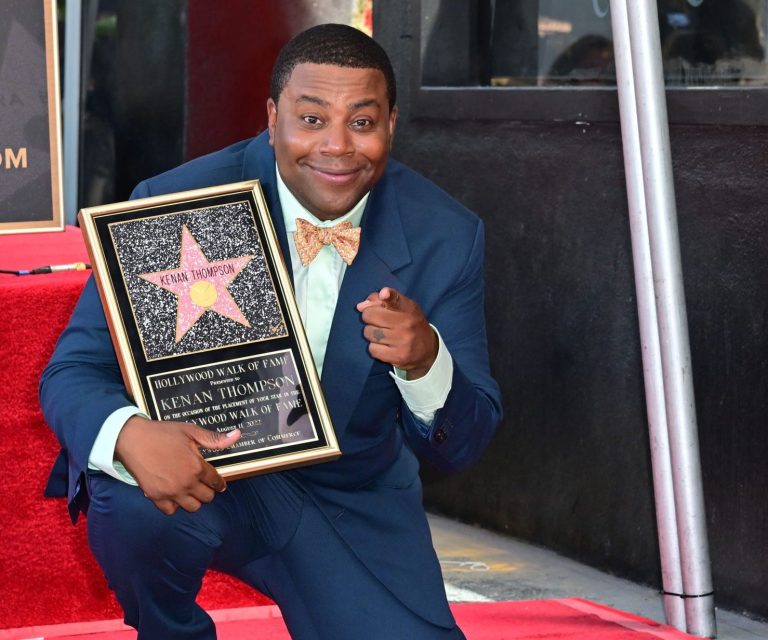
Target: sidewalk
<point x="480" y="566"/>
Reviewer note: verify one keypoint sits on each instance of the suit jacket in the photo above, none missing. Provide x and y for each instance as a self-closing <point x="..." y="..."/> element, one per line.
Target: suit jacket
<point x="415" y="238"/>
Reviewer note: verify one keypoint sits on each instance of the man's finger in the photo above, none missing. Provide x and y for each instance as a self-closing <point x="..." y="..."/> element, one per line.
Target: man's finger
<point x="211" y="478"/>
<point x="203" y="493"/>
<point x="166" y="506"/>
<point x="375" y="334"/>
<point x="190" y="503"/>
<point x="362" y="306"/>
<point x="213" y="439"/>
<point x="371" y="300"/>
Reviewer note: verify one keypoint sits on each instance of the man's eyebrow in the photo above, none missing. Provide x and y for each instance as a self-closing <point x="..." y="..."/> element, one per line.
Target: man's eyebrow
<point x="368" y="102"/>
<point x="313" y="99"/>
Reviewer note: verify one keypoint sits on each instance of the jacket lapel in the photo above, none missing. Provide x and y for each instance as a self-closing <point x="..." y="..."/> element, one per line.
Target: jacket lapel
<point x="383" y="250"/>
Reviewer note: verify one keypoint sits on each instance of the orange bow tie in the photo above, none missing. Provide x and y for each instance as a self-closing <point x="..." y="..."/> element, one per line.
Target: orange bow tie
<point x="310" y="239"/>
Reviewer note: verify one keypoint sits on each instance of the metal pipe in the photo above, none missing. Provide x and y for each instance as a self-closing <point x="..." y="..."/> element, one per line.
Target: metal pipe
<point x="669" y="550"/>
<point x="672" y="321"/>
<point x="71" y="106"/>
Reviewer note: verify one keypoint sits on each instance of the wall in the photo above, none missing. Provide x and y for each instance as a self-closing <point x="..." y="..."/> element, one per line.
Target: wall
<point x="229" y="63"/>
<point x="569" y="467"/>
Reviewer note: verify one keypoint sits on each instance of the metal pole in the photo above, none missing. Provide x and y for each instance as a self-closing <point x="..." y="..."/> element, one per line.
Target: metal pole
<point x="672" y="322"/>
<point x="71" y="108"/>
<point x="661" y="463"/>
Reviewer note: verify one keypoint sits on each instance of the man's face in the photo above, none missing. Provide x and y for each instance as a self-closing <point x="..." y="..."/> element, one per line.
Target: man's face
<point x="331" y="131"/>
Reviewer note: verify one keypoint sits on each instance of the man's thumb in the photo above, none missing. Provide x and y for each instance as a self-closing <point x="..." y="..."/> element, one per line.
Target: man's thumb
<point x="390" y="296"/>
<point x="214" y="439"/>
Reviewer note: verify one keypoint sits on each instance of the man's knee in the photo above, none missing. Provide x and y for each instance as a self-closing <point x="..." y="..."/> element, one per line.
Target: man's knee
<point x="126" y="529"/>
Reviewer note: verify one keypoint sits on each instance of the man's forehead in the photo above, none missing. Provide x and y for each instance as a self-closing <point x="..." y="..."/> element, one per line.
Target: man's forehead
<point x="327" y="85"/>
<point x="326" y="76"/>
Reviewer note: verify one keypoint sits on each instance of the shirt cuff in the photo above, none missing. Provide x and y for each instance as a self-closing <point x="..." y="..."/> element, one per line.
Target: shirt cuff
<point x="425" y="396"/>
<point x="102" y="456"/>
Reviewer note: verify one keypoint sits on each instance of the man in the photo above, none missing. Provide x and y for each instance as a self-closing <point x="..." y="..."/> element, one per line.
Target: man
<point x="398" y="335"/>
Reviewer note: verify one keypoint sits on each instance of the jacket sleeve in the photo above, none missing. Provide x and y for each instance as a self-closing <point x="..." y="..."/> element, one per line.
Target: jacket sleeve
<point x="463" y="427"/>
<point x="82" y="384"/>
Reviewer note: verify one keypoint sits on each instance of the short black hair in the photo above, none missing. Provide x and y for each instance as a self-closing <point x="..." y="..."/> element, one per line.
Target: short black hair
<point x="335" y="44"/>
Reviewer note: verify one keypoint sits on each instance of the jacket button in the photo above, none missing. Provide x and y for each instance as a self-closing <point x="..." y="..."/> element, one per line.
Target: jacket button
<point x="440" y="436"/>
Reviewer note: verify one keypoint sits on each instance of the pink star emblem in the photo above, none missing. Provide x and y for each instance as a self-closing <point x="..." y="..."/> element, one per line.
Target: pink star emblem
<point x="200" y="285"/>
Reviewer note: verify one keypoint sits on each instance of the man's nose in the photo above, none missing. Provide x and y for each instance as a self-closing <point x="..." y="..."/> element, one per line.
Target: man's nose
<point x="338" y="140"/>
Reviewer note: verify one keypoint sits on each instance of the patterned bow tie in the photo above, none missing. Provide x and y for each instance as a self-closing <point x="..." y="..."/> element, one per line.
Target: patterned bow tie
<point x="310" y="239"/>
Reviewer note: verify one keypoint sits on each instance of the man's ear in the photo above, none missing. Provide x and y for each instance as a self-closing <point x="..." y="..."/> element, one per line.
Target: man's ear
<point x="271" y="120"/>
<point x="392" y="123"/>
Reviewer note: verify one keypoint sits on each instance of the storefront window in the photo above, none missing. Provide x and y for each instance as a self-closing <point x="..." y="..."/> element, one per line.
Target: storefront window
<point x="528" y="43"/>
<point x="97" y="127"/>
<point x="132" y="97"/>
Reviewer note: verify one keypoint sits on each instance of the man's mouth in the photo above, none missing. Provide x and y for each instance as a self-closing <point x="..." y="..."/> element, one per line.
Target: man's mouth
<point x="336" y="176"/>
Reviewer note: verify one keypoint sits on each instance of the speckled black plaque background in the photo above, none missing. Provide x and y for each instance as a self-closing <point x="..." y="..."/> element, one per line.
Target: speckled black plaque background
<point x="154" y="244"/>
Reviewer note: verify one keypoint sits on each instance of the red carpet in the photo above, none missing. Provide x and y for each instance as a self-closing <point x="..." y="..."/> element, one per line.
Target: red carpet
<point x="569" y="619"/>
<point x="46" y="570"/>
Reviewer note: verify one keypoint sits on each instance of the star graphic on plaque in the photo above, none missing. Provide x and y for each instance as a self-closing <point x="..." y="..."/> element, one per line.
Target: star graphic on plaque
<point x="200" y="285"/>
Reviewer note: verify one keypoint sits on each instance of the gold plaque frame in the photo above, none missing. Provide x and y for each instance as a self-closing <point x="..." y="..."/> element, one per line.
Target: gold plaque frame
<point x="205" y="326"/>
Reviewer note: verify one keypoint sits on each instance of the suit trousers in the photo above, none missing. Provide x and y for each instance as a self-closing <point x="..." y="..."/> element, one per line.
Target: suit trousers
<point x="264" y="530"/>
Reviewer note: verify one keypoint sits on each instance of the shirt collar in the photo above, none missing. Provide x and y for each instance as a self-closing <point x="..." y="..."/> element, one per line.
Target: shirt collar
<point x="293" y="209"/>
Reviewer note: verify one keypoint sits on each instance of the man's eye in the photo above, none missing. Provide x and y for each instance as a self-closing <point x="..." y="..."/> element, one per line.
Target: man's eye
<point x="313" y="120"/>
<point x="362" y="123"/>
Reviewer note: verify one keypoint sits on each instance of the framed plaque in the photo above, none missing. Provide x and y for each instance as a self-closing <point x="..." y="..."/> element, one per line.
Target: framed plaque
<point x="205" y="325"/>
<point x="30" y="133"/>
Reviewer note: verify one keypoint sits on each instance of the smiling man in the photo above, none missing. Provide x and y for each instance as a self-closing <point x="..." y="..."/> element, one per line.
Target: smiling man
<point x="387" y="272"/>
<point x="331" y="135"/>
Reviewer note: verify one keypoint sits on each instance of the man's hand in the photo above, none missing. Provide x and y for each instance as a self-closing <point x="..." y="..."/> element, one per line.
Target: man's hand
<point x="398" y="332"/>
<point x="165" y="460"/>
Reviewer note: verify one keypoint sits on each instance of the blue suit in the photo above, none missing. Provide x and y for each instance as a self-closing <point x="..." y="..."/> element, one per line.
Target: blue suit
<point x="415" y="238"/>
